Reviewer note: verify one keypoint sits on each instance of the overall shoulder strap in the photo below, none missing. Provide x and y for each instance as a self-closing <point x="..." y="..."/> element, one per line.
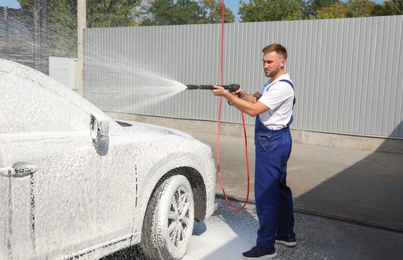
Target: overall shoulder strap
<point x="292" y="85"/>
<point x="289" y="82"/>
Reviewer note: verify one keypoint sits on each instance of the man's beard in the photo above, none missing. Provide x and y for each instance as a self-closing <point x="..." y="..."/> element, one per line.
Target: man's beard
<point x="272" y="73"/>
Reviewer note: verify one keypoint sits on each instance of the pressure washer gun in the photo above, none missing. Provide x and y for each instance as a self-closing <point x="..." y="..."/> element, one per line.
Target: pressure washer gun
<point x="231" y="87"/>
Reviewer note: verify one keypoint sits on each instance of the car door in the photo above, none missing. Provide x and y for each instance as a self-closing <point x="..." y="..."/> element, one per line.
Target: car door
<point x="56" y="182"/>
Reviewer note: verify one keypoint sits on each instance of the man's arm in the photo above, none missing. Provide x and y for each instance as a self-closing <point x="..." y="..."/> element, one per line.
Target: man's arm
<point x="246" y="103"/>
<point x="248" y="97"/>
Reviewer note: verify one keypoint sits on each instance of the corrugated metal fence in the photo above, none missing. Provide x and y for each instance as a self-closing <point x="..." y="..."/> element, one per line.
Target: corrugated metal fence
<point x="348" y="73"/>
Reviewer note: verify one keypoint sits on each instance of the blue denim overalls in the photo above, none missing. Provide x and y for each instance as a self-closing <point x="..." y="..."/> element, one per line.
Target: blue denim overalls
<point x="274" y="204"/>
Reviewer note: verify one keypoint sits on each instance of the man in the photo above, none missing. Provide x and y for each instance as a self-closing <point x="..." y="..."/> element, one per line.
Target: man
<point x="272" y="105"/>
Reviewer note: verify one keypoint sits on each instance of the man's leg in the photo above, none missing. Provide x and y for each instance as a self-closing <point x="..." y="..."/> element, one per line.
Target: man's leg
<point x="270" y="154"/>
<point x="285" y="231"/>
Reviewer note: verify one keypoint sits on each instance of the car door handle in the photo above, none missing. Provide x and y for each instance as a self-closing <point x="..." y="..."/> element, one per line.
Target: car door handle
<point x="19" y="170"/>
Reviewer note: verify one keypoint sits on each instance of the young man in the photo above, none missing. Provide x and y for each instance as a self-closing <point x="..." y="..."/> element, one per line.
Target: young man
<point x="272" y="105"/>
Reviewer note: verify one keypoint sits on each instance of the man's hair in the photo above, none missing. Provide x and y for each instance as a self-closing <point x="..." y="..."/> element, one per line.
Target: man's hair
<point x="278" y="48"/>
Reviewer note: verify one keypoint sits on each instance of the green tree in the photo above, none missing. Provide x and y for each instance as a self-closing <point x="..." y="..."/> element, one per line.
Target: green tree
<point x="359" y="8"/>
<point x="170" y="12"/>
<point x="214" y="9"/>
<point x="110" y="13"/>
<point x="379" y="10"/>
<point x="396" y="7"/>
<point x="312" y="6"/>
<point x="356" y="8"/>
<point x="62" y="28"/>
<point x="331" y="12"/>
<point x="270" y="10"/>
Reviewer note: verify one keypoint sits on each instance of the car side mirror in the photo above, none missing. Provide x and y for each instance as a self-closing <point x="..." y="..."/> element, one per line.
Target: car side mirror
<point x="99" y="130"/>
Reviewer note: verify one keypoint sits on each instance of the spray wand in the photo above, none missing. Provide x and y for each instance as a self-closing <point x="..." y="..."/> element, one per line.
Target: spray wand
<point x="231" y="87"/>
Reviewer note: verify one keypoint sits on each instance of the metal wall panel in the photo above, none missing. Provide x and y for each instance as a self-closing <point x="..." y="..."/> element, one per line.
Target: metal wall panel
<point x="347" y="72"/>
<point x="63" y="70"/>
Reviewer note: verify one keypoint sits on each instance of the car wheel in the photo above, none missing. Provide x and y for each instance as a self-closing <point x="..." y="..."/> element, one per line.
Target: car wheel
<point x="169" y="219"/>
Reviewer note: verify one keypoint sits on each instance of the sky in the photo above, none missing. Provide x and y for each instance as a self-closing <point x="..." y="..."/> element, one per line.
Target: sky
<point x="10" y="3"/>
<point x="233" y="5"/>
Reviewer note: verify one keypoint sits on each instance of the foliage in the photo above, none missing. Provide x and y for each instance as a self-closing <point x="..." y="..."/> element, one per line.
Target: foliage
<point x="170" y="12"/>
<point x="330" y="12"/>
<point x="278" y="10"/>
<point x="313" y="6"/>
<point x="27" y="5"/>
<point x="359" y="8"/>
<point x="352" y="8"/>
<point x="214" y="9"/>
<point x="396" y="7"/>
<point x="62" y="28"/>
<point x="270" y="10"/>
<point x="110" y="13"/>
<point x="157" y="12"/>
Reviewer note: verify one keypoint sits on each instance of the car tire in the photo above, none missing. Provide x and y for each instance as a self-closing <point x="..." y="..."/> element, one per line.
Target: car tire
<point x="169" y="220"/>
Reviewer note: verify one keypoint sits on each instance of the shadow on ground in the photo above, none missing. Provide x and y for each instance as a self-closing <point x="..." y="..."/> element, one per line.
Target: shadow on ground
<point x="368" y="187"/>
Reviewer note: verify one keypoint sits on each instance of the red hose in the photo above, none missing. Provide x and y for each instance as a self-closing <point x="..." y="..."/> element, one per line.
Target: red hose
<point x="219" y="123"/>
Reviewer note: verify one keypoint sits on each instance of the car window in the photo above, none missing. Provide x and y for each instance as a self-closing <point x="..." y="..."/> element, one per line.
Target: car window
<point x="28" y="106"/>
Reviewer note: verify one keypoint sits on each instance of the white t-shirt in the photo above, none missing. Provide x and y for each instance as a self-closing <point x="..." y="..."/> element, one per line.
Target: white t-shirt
<point x="279" y="97"/>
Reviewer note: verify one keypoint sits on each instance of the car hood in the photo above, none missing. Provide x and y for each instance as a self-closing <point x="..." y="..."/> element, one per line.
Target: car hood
<point x="163" y="141"/>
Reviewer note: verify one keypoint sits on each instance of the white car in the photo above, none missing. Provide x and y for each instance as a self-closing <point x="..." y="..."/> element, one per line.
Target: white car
<point x="75" y="183"/>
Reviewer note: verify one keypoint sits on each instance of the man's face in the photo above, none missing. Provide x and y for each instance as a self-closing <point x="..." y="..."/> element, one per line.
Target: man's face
<point x="272" y="64"/>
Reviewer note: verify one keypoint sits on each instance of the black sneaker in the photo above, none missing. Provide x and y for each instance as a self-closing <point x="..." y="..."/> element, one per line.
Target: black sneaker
<point x="287" y="240"/>
<point x="258" y="252"/>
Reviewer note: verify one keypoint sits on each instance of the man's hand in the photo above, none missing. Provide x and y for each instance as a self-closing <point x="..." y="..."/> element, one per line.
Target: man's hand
<point x="240" y="93"/>
<point x="247" y="103"/>
<point x="220" y="91"/>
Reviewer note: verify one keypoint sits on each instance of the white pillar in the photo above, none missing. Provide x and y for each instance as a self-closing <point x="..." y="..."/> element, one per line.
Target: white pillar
<point x="81" y="24"/>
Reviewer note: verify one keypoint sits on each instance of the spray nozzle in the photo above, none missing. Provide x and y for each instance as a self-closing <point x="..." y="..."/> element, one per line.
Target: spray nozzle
<point x="231" y="87"/>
